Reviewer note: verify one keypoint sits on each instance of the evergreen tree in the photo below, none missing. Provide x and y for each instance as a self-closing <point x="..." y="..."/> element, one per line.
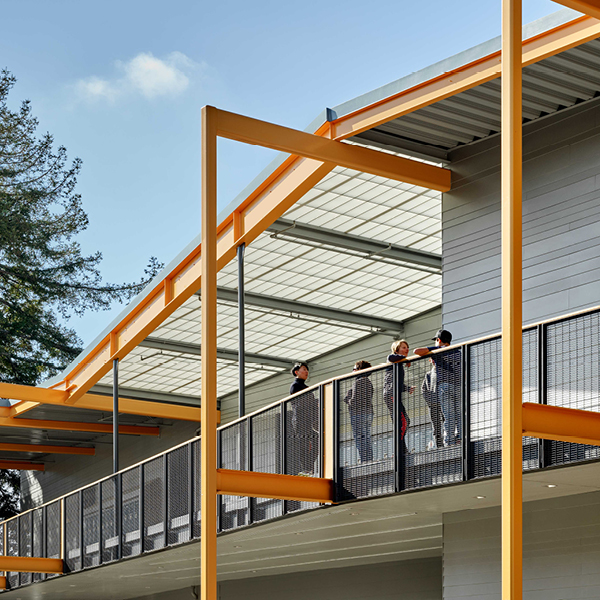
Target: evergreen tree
<point x="44" y="277"/>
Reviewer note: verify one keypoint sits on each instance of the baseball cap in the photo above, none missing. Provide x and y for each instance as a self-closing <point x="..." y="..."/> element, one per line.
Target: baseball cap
<point x="444" y="336"/>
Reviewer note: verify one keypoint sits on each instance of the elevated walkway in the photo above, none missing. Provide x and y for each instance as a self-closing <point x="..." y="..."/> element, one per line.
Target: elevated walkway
<point x="128" y="531"/>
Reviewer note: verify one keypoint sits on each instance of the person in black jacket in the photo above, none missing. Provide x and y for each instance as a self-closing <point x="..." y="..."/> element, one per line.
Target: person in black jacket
<point x="304" y="447"/>
<point x="360" y="406"/>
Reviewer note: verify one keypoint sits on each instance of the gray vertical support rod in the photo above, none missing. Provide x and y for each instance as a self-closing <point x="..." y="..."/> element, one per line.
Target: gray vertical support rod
<point x="115" y="415"/>
<point x="241" y="332"/>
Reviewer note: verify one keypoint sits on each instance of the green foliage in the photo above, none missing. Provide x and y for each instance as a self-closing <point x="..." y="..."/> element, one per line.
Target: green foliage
<point x="44" y="278"/>
<point x="10" y="494"/>
<point x="43" y="274"/>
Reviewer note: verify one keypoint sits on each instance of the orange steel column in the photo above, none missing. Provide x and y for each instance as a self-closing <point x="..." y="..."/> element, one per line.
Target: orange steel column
<point x="512" y="281"/>
<point x="208" y="576"/>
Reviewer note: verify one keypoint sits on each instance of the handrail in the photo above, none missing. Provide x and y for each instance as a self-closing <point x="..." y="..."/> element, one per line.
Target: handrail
<point x="275" y="444"/>
<point x="312" y="388"/>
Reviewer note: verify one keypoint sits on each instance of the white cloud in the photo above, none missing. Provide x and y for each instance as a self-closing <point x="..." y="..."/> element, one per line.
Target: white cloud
<point x="145" y="75"/>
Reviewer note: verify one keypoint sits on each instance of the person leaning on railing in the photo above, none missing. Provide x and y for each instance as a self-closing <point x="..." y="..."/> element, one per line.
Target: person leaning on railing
<point x="444" y="385"/>
<point x="400" y="350"/>
<point x="360" y="406"/>
<point x="305" y="424"/>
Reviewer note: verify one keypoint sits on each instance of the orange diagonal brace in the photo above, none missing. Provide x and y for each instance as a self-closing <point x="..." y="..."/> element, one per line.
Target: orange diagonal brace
<point x="127" y="406"/>
<point x="269" y="485"/>
<point x="252" y="131"/>
<point x="262" y="208"/>
<point x="21" y="465"/>
<point x="453" y="82"/>
<point x="30" y="564"/>
<point x="52" y="425"/>
<point x="587" y="7"/>
<point x="47" y="449"/>
<point x="561" y="424"/>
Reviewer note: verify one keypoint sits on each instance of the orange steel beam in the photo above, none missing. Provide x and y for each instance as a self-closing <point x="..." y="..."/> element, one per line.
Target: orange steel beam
<point x="30" y="564"/>
<point x="2" y="583"/>
<point x="208" y="447"/>
<point x="561" y="424"/>
<point x="33" y="396"/>
<point x="47" y="449"/>
<point x="587" y="7"/>
<point x="252" y="131"/>
<point x="52" y="425"/>
<point x="512" y="302"/>
<point x="21" y="466"/>
<point x="269" y="485"/>
<point x="453" y="82"/>
<point x="263" y="207"/>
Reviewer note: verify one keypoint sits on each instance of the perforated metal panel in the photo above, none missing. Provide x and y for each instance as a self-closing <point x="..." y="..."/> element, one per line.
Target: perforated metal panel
<point x="196" y="477"/>
<point x="110" y="539"/>
<point x="573" y="357"/>
<point x="38" y="538"/>
<point x="154" y="504"/>
<point x="53" y="529"/>
<point x="365" y="415"/>
<point x="130" y="494"/>
<point x="302" y="441"/>
<point x="179" y="498"/>
<point x="234" y="455"/>
<point x="485" y="384"/>
<point x="266" y="458"/>
<point x="26" y="542"/>
<point x="12" y="548"/>
<point x="91" y="526"/>
<point x="432" y="400"/>
<point x="72" y="525"/>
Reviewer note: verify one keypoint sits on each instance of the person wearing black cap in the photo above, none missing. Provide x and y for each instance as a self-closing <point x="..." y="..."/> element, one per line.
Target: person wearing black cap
<point x="444" y="381"/>
<point x="305" y="423"/>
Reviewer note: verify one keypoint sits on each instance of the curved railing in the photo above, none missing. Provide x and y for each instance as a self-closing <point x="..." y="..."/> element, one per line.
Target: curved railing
<point x="385" y="430"/>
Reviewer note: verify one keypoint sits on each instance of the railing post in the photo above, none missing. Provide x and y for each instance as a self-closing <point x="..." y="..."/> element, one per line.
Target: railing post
<point x="219" y="497"/>
<point x="321" y="462"/>
<point x="81" y="549"/>
<point x="283" y="447"/>
<point x="100" y="548"/>
<point x="165" y="500"/>
<point x="336" y="471"/>
<point x="398" y="446"/>
<point x="44" y="537"/>
<point x="467" y="447"/>
<point x="141" y="509"/>
<point x="119" y="515"/>
<point x="544" y="446"/>
<point x="250" y="465"/>
<point x="62" y="530"/>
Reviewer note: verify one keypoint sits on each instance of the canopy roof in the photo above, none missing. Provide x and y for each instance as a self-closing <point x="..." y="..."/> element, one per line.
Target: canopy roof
<point x="357" y="253"/>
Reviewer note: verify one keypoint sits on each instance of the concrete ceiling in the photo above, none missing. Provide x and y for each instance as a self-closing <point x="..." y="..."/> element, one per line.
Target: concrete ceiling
<point x="398" y="527"/>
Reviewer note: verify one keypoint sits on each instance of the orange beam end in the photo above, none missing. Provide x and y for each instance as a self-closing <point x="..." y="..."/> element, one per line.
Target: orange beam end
<point x="30" y="564"/>
<point x="587" y="7"/>
<point x="269" y="485"/>
<point x="52" y="425"/>
<point x="47" y="449"/>
<point x="561" y="424"/>
<point x="18" y="465"/>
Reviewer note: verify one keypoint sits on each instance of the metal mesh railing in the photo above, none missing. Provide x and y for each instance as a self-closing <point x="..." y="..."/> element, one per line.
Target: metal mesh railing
<point x="366" y="448"/>
<point x="485" y="403"/>
<point x="301" y="442"/>
<point x="433" y="421"/>
<point x="266" y="458"/>
<point x="572" y="377"/>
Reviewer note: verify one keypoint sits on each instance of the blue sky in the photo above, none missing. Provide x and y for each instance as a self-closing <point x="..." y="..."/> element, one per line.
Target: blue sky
<point x="121" y="84"/>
